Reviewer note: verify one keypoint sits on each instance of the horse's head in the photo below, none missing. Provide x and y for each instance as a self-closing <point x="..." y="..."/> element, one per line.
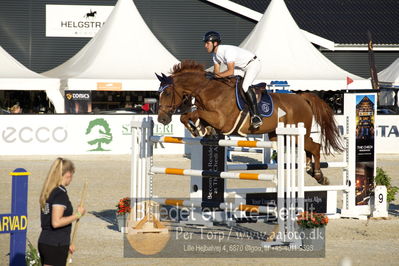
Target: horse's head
<point x="176" y="91"/>
<point x="169" y="99"/>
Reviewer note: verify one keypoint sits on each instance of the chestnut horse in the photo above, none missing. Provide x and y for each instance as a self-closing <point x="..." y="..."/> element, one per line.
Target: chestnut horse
<point x="215" y="106"/>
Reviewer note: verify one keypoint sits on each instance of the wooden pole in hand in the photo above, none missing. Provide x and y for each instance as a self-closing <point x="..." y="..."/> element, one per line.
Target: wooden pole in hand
<point x="75" y="228"/>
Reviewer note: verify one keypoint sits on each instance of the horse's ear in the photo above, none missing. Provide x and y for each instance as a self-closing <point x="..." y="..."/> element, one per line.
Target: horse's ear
<point x="167" y="79"/>
<point x="159" y="77"/>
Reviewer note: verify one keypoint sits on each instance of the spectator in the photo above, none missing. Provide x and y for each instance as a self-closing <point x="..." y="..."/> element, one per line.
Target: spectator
<point x="16" y="109"/>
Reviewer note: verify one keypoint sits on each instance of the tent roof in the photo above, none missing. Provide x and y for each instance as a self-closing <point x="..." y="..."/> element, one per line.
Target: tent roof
<point x="287" y="55"/>
<point x="390" y="74"/>
<point x="124" y="50"/>
<point x="15" y="76"/>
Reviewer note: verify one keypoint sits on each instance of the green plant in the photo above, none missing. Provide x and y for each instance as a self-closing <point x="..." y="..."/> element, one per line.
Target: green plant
<point x="383" y="179"/>
<point x="312" y="219"/>
<point x="32" y="257"/>
<point x="274" y="156"/>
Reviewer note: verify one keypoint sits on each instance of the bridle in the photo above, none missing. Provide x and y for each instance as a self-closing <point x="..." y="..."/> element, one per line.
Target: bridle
<point x="172" y="107"/>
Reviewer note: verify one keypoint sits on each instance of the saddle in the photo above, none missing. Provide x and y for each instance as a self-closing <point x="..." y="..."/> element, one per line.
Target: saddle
<point x="264" y="100"/>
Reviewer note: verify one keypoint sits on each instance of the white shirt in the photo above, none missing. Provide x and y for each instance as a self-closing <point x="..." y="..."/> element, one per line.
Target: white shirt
<point x="229" y="53"/>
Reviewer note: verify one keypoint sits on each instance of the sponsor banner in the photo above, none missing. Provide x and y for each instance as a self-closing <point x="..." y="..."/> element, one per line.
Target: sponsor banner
<point x="75" y="20"/>
<point x="77" y="102"/>
<point x="365" y="124"/>
<point x="78" y="134"/>
<point x="213" y="158"/>
<point x="386" y="133"/>
<point x="315" y="201"/>
<point x="66" y="134"/>
<point x="109" y="86"/>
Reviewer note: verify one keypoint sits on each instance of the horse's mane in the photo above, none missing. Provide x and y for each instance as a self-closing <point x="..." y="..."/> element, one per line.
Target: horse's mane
<point x="190" y="66"/>
<point x="187" y="66"/>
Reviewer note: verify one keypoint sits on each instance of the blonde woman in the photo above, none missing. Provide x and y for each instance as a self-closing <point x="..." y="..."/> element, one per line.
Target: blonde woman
<point x="57" y="214"/>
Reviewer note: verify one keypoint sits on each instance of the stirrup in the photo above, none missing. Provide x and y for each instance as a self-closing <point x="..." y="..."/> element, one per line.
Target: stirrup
<point x="256" y="121"/>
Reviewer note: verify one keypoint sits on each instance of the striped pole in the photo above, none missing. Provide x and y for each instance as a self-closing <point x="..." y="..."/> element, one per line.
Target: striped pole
<point x="243" y="149"/>
<point x="212" y="142"/>
<point x="274" y="166"/>
<point x="258" y="166"/>
<point x="208" y="173"/>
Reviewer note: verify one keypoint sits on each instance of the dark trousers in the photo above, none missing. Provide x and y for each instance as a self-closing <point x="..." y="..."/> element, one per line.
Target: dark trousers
<point x="53" y="255"/>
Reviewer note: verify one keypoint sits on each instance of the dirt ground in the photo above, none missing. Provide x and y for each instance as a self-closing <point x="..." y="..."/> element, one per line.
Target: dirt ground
<point x="366" y="242"/>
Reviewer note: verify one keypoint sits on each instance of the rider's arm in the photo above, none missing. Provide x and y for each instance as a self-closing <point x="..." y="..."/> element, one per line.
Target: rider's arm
<point x="228" y="72"/>
<point x="216" y="68"/>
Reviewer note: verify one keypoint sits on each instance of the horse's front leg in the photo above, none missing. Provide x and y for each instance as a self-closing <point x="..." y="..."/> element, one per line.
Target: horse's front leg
<point x="186" y="120"/>
<point x="213" y="121"/>
<point x="193" y="124"/>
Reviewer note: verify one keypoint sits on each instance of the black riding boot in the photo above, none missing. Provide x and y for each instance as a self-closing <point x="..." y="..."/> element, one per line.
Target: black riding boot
<point x="256" y="121"/>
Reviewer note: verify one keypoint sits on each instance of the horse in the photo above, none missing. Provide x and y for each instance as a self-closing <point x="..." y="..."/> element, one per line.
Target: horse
<point x="90" y="14"/>
<point x="216" y="111"/>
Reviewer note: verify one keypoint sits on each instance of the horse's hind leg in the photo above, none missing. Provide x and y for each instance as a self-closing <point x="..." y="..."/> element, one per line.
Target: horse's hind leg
<point x="314" y="148"/>
<point x="309" y="165"/>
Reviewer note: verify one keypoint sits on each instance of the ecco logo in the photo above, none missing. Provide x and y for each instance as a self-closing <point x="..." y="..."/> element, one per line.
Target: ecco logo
<point x="28" y="134"/>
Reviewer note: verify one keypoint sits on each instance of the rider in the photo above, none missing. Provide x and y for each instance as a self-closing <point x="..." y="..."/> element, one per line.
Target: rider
<point x="235" y="58"/>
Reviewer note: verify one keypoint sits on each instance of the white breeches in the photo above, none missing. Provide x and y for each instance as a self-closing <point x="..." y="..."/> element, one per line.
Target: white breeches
<point x="251" y="71"/>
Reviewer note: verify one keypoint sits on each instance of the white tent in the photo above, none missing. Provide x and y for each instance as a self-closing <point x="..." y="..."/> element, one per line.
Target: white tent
<point x="390" y="75"/>
<point x="287" y="55"/>
<point x="388" y="79"/>
<point x="124" y="52"/>
<point x="15" y="76"/>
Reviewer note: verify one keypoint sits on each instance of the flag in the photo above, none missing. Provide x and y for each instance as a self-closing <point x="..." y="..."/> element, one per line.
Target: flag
<point x="145" y="107"/>
<point x="348" y="80"/>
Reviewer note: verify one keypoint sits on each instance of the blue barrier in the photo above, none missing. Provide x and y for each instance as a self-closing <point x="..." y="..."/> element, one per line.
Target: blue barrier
<point x="16" y="222"/>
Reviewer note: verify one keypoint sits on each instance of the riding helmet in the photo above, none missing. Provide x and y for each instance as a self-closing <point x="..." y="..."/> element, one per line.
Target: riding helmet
<point x="212" y="36"/>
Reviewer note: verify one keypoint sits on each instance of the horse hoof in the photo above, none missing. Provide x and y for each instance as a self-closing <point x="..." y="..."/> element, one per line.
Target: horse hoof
<point x="310" y="171"/>
<point x="324" y="181"/>
<point x="194" y="134"/>
<point x="320" y="178"/>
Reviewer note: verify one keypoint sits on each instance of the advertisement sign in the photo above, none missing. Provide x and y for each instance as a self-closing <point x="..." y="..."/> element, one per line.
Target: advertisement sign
<point x="36" y="134"/>
<point x="315" y="201"/>
<point x="77" y="102"/>
<point x="386" y="133"/>
<point x="75" y="20"/>
<point x="109" y="86"/>
<point x="365" y="125"/>
<point x="213" y="159"/>
<point x="78" y="134"/>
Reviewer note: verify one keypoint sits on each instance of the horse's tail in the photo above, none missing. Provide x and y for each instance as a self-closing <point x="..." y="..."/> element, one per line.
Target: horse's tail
<point x="324" y="116"/>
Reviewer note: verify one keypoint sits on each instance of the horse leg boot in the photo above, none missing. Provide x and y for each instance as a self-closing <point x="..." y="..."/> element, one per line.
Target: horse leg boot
<point x="256" y="121"/>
